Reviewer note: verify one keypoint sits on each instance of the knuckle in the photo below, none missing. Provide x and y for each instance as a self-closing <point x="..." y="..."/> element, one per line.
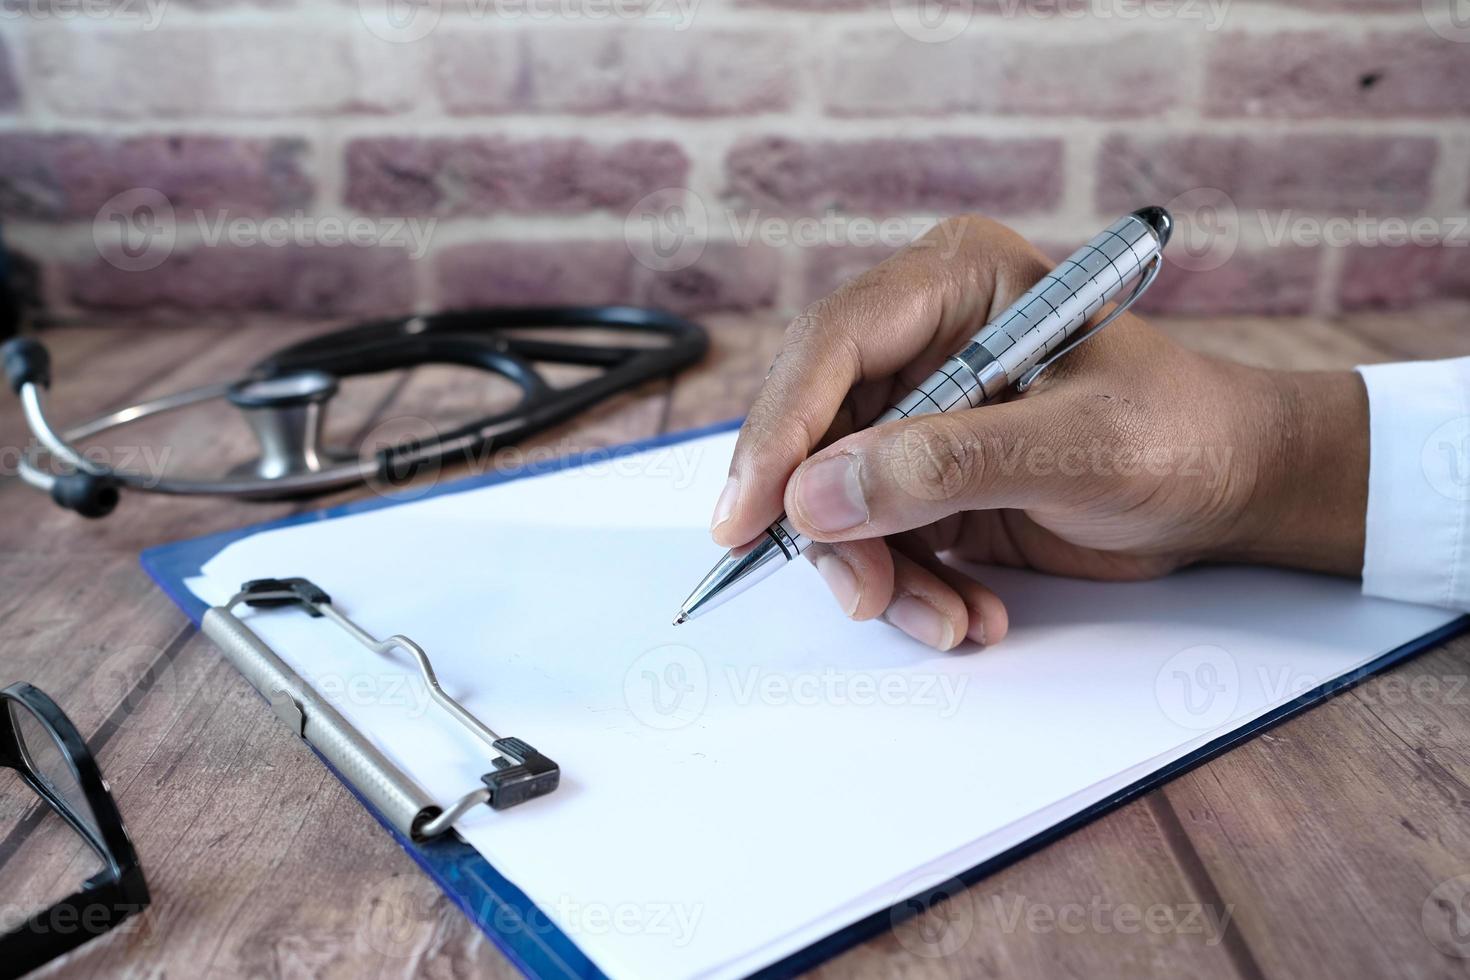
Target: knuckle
<point x="935" y="463"/>
<point x="798" y="336"/>
<point x="815" y="337"/>
<point x="806" y="325"/>
<point x="776" y="435"/>
<point x="982" y="232"/>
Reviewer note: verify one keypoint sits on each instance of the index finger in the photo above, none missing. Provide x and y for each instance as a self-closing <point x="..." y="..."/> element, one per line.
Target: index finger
<point x="910" y="308"/>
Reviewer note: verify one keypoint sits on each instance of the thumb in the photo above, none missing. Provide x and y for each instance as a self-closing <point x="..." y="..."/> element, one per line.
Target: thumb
<point x="916" y="471"/>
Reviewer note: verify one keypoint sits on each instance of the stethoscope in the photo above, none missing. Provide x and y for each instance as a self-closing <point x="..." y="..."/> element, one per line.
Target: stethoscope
<point x="284" y="398"/>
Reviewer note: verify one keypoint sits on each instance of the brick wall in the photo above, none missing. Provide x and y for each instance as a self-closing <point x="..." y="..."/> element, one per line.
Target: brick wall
<point x="343" y="158"/>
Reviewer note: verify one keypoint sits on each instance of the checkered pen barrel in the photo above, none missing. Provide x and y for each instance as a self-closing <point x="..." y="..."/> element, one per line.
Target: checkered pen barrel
<point x="1037" y="324"/>
<point x="1008" y="352"/>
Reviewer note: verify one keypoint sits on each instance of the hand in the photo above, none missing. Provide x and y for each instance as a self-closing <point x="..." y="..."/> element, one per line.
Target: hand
<point x="1127" y="459"/>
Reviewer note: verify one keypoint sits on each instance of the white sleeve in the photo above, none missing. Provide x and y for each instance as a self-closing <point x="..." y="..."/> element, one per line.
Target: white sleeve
<point x="1418" y="482"/>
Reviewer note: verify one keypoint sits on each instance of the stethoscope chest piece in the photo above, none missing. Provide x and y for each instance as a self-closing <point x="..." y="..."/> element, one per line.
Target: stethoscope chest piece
<point x="287" y="413"/>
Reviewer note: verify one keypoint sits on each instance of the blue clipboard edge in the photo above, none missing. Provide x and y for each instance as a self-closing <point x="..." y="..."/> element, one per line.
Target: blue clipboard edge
<point x="524" y="933"/>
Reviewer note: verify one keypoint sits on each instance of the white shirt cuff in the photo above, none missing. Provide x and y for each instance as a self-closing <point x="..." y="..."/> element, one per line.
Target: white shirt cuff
<point x="1418" y="482"/>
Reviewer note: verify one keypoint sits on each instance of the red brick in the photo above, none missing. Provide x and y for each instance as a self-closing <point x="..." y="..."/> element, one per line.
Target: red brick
<point x="1278" y="281"/>
<point x="946" y="173"/>
<point x="480" y="71"/>
<point x="485" y="175"/>
<point x="640" y="70"/>
<point x="68" y="68"/>
<point x="1316" y="73"/>
<point x="57" y="176"/>
<point x="576" y="71"/>
<point x="889" y="73"/>
<point x="1309" y="172"/>
<point x="828" y="268"/>
<point x="306" y="281"/>
<point x="531" y="273"/>
<point x="1399" y="276"/>
<point x="726" y="277"/>
<point x="243" y="71"/>
<point x="708" y="73"/>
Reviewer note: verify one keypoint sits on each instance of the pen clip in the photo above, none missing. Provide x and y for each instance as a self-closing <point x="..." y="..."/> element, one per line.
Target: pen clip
<point x="1150" y="272"/>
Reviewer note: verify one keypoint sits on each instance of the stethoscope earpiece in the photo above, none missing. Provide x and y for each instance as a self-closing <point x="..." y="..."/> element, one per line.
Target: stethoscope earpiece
<point x="26" y="362"/>
<point x="88" y="494"/>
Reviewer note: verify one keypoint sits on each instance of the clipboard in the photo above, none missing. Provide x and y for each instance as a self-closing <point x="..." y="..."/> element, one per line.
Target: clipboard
<point x="522" y="931"/>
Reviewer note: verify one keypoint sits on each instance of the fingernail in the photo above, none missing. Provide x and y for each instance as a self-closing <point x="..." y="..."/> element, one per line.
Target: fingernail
<point x="830" y="496"/>
<point x="725" y="506"/>
<point x="840" y="579"/>
<point x="921" y="621"/>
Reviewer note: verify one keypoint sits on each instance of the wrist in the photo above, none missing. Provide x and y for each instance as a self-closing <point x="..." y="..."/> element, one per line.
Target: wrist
<point x="1308" y="498"/>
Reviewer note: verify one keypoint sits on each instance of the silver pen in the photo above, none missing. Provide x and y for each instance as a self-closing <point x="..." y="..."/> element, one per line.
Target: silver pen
<point x="1009" y="351"/>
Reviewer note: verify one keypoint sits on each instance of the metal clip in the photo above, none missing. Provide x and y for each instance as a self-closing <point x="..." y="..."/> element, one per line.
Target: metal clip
<point x="1150" y="272"/>
<point x="519" y="772"/>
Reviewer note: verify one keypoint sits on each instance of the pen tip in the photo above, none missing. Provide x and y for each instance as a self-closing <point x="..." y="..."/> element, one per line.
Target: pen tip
<point x="680" y="619"/>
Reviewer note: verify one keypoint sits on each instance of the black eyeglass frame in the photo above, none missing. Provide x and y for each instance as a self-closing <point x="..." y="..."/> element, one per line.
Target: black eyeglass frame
<point x="108" y="897"/>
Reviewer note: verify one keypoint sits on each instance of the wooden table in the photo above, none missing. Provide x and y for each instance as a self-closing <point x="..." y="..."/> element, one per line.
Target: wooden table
<point x="1312" y="851"/>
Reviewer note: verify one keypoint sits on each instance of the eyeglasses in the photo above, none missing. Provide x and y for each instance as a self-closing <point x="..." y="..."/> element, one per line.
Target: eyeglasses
<point x="41" y="744"/>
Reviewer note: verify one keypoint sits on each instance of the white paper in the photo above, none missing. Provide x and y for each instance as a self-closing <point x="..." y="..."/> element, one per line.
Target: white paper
<point x="739" y="787"/>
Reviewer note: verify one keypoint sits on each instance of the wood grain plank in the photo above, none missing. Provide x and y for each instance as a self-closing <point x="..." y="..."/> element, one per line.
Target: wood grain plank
<point x="1291" y="343"/>
<point x="725" y="383"/>
<point x="1330" y="834"/>
<point x="93" y="368"/>
<point x="1109" y="900"/>
<point x="1440" y="331"/>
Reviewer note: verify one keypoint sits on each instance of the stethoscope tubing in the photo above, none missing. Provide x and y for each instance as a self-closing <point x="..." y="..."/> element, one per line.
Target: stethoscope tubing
<point x="468" y="338"/>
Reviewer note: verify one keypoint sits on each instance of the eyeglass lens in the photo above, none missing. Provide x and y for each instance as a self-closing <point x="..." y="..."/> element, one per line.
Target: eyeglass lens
<point x="49" y="763"/>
